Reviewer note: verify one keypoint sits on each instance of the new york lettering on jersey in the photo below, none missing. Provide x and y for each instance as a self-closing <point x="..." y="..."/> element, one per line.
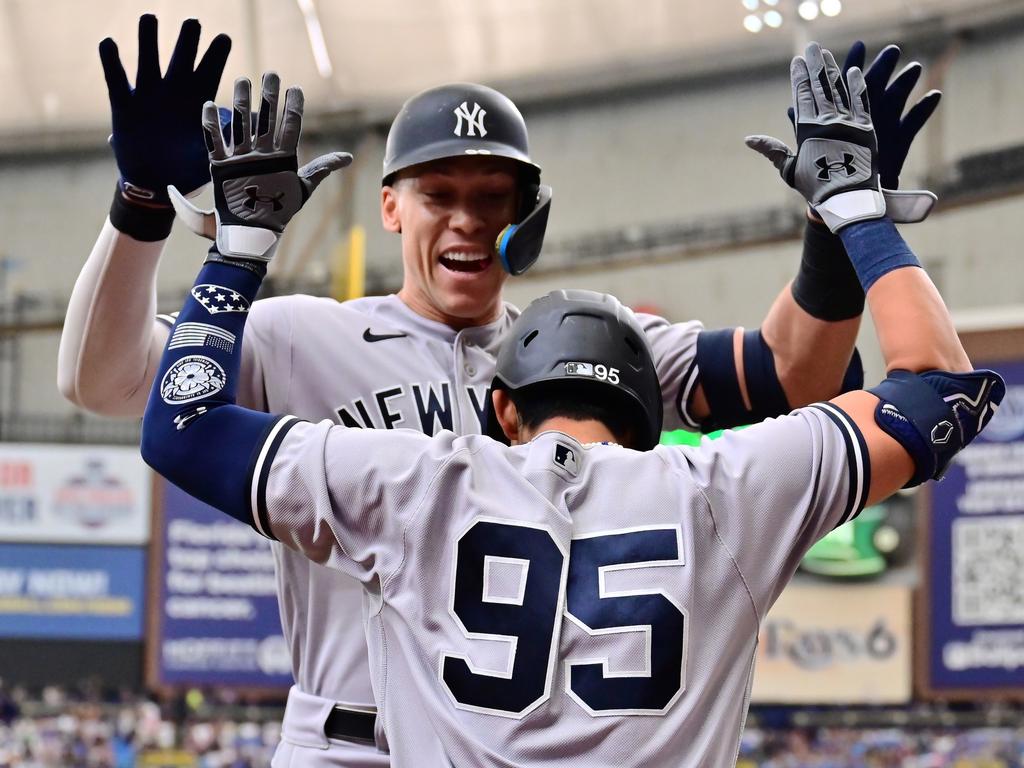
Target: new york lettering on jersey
<point x="426" y="407"/>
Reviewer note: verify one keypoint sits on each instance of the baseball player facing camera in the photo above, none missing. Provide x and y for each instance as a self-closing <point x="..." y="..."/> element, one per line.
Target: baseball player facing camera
<point x="468" y="215"/>
<point x="582" y="596"/>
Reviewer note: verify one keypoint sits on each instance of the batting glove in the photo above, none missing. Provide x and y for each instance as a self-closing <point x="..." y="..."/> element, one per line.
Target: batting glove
<point x="257" y="186"/>
<point x="157" y="138"/>
<point x="895" y="131"/>
<point x="835" y="166"/>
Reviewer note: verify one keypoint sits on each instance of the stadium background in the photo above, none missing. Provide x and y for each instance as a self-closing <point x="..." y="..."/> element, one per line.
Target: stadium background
<point x="136" y="628"/>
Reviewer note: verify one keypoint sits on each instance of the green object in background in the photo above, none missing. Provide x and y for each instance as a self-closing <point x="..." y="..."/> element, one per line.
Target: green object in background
<point x="682" y="437"/>
<point x="850" y="550"/>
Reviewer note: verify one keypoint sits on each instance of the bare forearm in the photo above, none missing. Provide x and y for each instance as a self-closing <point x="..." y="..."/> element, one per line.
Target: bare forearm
<point x="110" y="344"/>
<point x="915" y="331"/>
<point x="914" y="328"/>
<point x="811" y="355"/>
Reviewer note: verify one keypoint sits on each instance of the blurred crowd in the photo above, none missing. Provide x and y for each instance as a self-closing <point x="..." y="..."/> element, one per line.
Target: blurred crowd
<point x="883" y="748"/>
<point x="86" y="728"/>
<point x="58" y="728"/>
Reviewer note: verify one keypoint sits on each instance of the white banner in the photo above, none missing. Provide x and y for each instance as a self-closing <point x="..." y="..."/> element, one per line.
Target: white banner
<point x="73" y="494"/>
<point x="836" y="645"/>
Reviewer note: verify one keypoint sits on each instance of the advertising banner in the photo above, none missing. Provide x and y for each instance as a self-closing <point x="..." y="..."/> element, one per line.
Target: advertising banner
<point x="218" y="621"/>
<point x="836" y="645"/>
<point x="974" y="636"/>
<point x="73" y="494"/>
<point x="76" y="592"/>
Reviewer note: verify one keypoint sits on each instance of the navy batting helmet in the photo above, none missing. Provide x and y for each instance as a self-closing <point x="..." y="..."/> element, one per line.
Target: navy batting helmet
<point x="465" y="119"/>
<point x="583" y="336"/>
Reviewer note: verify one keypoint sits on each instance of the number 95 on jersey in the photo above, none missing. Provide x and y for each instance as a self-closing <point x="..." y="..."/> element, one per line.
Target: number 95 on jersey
<point x="541" y="585"/>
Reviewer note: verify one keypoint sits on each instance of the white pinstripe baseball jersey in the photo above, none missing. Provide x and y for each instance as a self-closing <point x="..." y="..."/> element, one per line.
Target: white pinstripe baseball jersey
<point x="558" y="604"/>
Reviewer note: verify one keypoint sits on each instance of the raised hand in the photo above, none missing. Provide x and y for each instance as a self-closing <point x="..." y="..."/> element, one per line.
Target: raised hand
<point x="258" y="186"/>
<point x="157" y="136"/>
<point x="835" y="165"/>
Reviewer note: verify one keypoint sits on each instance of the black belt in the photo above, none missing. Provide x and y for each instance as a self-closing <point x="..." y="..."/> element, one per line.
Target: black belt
<point x="350" y="725"/>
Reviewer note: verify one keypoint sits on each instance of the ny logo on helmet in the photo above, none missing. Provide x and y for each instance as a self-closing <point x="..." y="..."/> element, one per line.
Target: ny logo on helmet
<point x="826" y="168"/>
<point x="252" y="193"/>
<point x="474" y="119"/>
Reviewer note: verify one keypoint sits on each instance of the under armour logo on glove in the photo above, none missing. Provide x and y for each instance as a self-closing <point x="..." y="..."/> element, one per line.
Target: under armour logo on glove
<point x="831" y="120"/>
<point x="257" y="184"/>
<point x="826" y="168"/>
<point x="252" y="192"/>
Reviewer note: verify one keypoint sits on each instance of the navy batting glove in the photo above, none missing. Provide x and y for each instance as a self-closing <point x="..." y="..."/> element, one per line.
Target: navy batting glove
<point x="157" y="125"/>
<point x="895" y="131"/>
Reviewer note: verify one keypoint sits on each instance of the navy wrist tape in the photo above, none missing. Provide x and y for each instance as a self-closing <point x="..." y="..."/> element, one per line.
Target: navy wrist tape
<point x="826" y="286"/>
<point x="876" y="248"/>
<point x="146" y="224"/>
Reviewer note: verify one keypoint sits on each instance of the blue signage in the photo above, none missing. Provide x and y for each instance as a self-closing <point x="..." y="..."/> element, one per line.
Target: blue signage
<point x="219" y="622"/>
<point x="71" y="592"/>
<point x="976" y="556"/>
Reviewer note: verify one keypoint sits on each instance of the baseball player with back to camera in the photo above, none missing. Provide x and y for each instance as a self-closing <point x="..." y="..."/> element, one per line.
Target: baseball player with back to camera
<point x="421" y="359"/>
<point x="526" y="605"/>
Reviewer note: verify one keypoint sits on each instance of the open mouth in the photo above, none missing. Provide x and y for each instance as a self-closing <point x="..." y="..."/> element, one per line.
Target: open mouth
<point x="465" y="262"/>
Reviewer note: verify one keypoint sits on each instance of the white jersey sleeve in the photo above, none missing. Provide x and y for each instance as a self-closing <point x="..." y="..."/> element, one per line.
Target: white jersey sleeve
<point x="111" y="346"/>
<point x="344" y="496"/>
<point x="674" y="347"/>
<point x="113" y="339"/>
<point x="775" y="488"/>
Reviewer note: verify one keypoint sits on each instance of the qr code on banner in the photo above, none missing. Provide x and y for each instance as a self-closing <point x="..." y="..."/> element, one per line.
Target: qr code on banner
<point x="988" y="570"/>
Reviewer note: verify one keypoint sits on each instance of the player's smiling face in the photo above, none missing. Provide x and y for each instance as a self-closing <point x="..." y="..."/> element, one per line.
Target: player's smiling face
<point x="450" y="213"/>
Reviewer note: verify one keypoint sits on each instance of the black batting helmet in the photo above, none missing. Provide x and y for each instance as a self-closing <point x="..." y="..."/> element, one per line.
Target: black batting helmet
<point x="583" y="336"/>
<point x="466" y="119"/>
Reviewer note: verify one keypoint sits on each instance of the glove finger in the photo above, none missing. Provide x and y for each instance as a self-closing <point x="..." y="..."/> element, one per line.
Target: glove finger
<point x="860" y="109"/>
<point x="315" y="171"/>
<point x="770" y="147"/>
<point x="266" y="121"/>
<point x="291" y="120"/>
<point x="212" y="132"/>
<point x="803" y="94"/>
<point x="821" y="83"/>
<point x="919" y="114"/>
<point x="791" y="114"/>
<point x="148" y="71"/>
<point x="855" y="57"/>
<point x="113" y="72"/>
<point x="837" y="81"/>
<point x="896" y="95"/>
<point x="184" y="54"/>
<point x="211" y="66"/>
<point x="878" y="74"/>
<point x="241" y="119"/>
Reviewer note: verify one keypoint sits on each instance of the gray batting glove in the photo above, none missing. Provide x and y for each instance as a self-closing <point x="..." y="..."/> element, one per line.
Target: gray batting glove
<point x="835" y="166"/>
<point x="257" y="186"/>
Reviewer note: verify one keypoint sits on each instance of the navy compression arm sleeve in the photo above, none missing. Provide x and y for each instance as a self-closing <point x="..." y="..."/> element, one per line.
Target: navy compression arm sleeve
<point x="193" y="433"/>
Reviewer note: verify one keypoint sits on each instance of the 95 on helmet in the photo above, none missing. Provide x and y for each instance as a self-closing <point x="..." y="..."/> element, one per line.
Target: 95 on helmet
<point x="589" y="338"/>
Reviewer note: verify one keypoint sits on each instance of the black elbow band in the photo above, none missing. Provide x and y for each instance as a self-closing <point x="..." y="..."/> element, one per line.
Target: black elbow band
<point x="717" y="365"/>
<point x="826" y="286"/>
<point x="767" y="397"/>
<point x="720" y="381"/>
<point x="936" y="414"/>
<point x="146" y="224"/>
<point x="853" y="379"/>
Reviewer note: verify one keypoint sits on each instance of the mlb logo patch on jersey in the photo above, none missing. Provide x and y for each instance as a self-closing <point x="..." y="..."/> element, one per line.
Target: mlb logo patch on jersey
<point x="565" y="457"/>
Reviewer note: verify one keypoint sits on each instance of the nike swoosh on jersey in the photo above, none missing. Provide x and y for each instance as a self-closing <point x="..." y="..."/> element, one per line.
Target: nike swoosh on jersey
<point x="371" y="337"/>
